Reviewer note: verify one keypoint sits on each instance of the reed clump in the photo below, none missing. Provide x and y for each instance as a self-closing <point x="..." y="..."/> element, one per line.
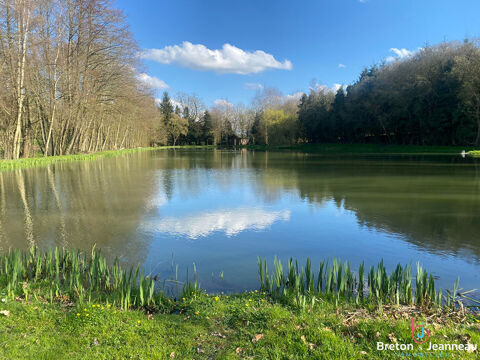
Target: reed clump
<point x="400" y="287"/>
<point x="62" y="273"/>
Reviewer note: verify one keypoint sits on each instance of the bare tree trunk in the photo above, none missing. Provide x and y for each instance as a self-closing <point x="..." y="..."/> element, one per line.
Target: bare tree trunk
<point x="23" y="28"/>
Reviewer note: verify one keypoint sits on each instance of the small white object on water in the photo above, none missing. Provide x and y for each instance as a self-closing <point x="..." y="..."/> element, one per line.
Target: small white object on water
<point x="463" y="153"/>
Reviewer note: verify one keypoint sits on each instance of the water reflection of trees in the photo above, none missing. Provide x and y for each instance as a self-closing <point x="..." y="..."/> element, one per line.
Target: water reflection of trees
<point x="433" y="202"/>
<point x="77" y="204"/>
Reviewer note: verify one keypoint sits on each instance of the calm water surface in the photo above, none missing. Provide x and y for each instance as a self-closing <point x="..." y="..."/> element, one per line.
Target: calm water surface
<point x="222" y="209"/>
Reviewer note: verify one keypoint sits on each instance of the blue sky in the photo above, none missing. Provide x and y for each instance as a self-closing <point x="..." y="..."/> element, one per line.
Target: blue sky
<point x="299" y="40"/>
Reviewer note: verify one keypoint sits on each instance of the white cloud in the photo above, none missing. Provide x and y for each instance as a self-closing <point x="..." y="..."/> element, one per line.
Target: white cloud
<point x="295" y="96"/>
<point x="231" y="222"/>
<point x="174" y="103"/>
<point x="152" y="81"/>
<point x="325" y="88"/>
<point x="228" y="59"/>
<point x="337" y="87"/>
<point x="399" y="54"/>
<point x="342" y="66"/>
<point x="253" y="86"/>
<point x="222" y="103"/>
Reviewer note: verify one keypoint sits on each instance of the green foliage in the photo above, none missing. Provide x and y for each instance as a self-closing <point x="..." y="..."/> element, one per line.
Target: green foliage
<point x="340" y="282"/>
<point x="430" y="98"/>
<point x="81" y="277"/>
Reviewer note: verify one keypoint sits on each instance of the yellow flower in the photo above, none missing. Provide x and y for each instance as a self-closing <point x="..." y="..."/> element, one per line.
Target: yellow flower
<point x="250" y="300"/>
<point x="86" y="314"/>
<point x="227" y="296"/>
<point x="197" y="312"/>
<point x="85" y="309"/>
<point x="183" y="299"/>
<point x="109" y="306"/>
<point x="247" y="305"/>
<point x="98" y="305"/>
<point x="115" y="312"/>
<point x="78" y="314"/>
<point x="103" y="308"/>
<point x="256" y="291"/>
<point x="138" y="322"/>
<point x="93" y="305"/>
<point x="216" y="298"/>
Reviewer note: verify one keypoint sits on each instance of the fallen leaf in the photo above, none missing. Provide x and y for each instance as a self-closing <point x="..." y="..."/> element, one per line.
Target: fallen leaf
<point x="5" y="312"/>
<point x="257" y="337"/>
<point x="200" y="350"/>
<point x="311" y="346"/>
<point x="172" y="354"/>
<point x="392" y="338"/>
<point x="238" y="350"/>
<point x="363" y="352"/>
<point x="95" y="342"/>
<point x="217" y="334"/>
<point x="303" y="339"/>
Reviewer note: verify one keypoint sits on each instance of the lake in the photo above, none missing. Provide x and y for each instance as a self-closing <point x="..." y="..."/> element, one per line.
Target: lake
<point x="220" y="209"/>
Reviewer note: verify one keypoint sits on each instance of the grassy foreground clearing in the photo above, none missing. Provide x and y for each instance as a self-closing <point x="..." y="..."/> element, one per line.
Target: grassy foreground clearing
<point x="66" y="304"/>
<point x="366" y="148"/>
<point x="39" y="161"/>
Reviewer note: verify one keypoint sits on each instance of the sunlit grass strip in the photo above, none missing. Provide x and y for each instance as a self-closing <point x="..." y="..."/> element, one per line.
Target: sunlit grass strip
<point x="337" y="279"/>
<point x="39" y="161"/>
<point x="474" y="153"/>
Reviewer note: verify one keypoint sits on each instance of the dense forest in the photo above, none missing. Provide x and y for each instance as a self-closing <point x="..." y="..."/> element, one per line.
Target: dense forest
<point x="70" y="82"/>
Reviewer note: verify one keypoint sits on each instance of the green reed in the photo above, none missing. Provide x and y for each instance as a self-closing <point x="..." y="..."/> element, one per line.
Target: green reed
<point x="338" y="280"/>
<point x="81" y="277"/>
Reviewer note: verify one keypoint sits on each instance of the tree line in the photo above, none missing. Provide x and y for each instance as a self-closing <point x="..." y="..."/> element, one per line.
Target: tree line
<point x="68" y="82"/>
<point x="430" y="98"/>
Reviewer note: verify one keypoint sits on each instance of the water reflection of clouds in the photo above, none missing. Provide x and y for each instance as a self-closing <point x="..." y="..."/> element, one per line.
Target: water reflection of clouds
<point x="231" y="222"/>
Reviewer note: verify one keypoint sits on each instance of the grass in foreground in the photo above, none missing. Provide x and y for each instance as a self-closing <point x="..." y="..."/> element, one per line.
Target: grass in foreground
<point x="65" y="304"/>
<point x="244" y="326"/>
<point x="474" y="153"/>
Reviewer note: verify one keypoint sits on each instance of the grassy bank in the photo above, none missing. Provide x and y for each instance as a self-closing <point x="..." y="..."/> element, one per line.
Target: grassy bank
<point x="66" y="304"/>
<point x="366" y="148"/>
<point x="39" y="161"/>
<point x="475" y="153"/>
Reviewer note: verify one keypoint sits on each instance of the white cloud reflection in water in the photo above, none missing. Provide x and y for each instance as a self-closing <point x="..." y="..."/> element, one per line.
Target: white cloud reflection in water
<point x="231" y="222"/>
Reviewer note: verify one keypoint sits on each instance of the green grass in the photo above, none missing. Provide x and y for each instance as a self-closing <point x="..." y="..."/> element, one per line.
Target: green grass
<point x="41" y="161"/>
<point x="474" y="153"/>
<point x="206" y="328"/>
<point x="366" y="148"/>
<point x="64" y="304"/>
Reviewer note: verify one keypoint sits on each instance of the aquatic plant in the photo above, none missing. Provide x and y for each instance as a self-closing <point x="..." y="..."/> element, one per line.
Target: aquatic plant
<point x="338" y="280"/>
<point x="81" y="277"/>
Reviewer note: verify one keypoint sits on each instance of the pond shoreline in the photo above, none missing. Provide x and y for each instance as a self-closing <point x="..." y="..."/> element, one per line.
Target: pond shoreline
<point x="331" y="148"/>
<point x="41" y="316"/>
<point x="309" y="148"/>
<point x="41" y="161"/>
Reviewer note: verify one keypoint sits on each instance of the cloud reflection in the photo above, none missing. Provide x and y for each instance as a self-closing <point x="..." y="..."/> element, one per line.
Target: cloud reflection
<point x="231" y="222"/>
